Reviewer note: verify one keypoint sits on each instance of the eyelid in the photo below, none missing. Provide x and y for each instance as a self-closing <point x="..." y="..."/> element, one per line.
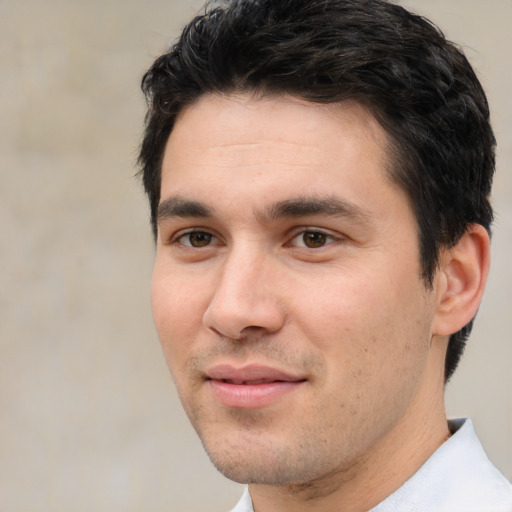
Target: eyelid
<point x="175" y="237"/>
<point x="300" y="231"/>
<point x="333" y="236"/>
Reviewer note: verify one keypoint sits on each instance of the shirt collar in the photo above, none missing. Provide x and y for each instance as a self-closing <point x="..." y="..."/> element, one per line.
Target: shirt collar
<point x="458" y="477"/>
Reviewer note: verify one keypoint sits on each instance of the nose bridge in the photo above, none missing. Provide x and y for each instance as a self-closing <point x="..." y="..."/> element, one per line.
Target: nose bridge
<point x="245" y="265"/>
<point x="245" y="294"/>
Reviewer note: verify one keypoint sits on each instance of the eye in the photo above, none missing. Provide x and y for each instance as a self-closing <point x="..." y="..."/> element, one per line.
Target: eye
<point x="312" y="239"/>
<point x="196" y="239"/>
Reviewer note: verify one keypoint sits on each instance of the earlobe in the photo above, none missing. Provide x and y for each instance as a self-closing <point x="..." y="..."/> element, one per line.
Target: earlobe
<point x="461" y="280"/>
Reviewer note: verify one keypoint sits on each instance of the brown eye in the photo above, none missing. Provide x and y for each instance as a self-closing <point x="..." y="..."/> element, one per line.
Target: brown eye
<point x="314" y="239"/>
<point x="311" y="239"/>
<point x="196" y="239"/>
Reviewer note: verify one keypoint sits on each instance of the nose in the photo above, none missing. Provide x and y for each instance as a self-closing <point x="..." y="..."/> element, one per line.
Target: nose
<point x="246" y="298"/>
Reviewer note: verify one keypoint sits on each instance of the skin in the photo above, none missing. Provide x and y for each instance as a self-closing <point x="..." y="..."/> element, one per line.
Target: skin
<point x="327" y="290"/>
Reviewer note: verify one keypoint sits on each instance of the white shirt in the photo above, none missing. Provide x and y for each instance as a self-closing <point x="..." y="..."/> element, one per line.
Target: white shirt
<point x="458" y="477"/>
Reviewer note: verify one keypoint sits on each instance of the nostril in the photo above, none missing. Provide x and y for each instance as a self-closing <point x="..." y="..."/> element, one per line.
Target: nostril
<point x="244" y="317"/>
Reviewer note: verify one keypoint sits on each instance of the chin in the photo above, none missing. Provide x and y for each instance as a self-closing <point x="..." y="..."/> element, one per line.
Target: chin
<point x="247" y="461"/>
<point x="253" y="472"/>
<point x="263" y="463"/>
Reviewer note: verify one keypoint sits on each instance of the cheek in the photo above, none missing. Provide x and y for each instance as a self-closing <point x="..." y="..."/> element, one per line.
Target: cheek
<point x="336" y="309"/>
<point x="369" y="324"/>
<point x="177" y="315"/>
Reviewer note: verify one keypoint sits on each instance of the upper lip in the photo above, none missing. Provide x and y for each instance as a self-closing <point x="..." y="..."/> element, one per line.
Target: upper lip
<point x="249" y="373"/>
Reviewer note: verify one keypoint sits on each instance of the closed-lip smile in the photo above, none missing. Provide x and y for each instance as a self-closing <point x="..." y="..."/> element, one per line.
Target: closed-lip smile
<point x="251" y="386"/>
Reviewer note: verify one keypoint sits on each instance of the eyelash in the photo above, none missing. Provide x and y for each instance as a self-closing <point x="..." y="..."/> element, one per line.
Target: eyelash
<point x="312" y="239"/>
<point x="325" y="238"/>
<point x="179" y="238"/>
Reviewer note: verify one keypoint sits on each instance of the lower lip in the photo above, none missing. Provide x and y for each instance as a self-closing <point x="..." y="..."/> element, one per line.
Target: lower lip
<point x="251" y="396"/>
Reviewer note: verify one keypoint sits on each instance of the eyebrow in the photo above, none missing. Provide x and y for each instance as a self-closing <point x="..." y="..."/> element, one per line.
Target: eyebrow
<point x="305" y="206"/>
<point x="176" y="206"/>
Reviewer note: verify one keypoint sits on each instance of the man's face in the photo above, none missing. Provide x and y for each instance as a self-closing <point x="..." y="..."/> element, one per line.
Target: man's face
<point x="286" y="290"/>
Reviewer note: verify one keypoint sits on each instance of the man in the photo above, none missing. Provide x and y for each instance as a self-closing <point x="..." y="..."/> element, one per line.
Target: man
<point x="319" y="175"/>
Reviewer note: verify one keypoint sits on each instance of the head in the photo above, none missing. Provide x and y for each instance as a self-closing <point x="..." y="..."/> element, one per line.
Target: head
<point x="318" y="174"/>
<point x="418" y="86"/>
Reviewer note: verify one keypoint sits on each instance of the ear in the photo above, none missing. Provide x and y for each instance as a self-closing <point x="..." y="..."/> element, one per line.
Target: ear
<point x="461" y="280"/>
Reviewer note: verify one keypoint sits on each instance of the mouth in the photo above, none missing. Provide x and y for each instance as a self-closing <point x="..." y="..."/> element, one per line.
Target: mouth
<point x="254" y="382"/>
<point x="251" y="387"/>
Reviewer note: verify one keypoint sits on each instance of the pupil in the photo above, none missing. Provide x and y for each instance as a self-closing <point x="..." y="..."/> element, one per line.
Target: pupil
<point x="200" y="239"/>
<point x="314" y="239"/>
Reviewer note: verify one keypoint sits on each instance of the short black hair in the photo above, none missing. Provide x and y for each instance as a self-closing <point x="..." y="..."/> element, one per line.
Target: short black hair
<point x="419" y="86"/>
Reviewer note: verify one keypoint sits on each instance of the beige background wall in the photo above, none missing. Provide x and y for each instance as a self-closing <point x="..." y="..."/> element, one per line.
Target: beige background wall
<point x="89" y="418"/>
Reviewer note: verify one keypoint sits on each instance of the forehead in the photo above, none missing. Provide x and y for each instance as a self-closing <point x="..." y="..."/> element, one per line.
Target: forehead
<point x="243" y="133"/>
<point x="286" y="118"/>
